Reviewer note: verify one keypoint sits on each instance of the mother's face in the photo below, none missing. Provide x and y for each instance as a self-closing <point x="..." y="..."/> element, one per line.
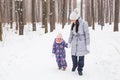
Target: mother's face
<point x="73" y="21"/>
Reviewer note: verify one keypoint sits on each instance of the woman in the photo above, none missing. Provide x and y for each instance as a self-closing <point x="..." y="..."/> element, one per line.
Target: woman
<point x="79" y="41"/>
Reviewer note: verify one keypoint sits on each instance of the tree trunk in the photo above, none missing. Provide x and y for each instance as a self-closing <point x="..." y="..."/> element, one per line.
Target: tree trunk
<point x="60" y="11"/>
<point x="0" y="22"/>
<point x="11" y="14"/>
<point x="52" y="15"/>
<point x="102" y="14"/>
<point x="33" y="15"/>
<point x="92" y="4"/>
<point x="116" y="20"/>
<point x="74" y="4"/>
<point x="44" y="15"/>
<point x="111" y="11"/>
<point x="20" y="14"/>
<point x="64" y="13"/>
<point x="88" y="13"/>
<point x="38" y="19"/>
<point x="106" y="11"/>
<point x="99" y="11"/>
<point x="69" y="11"/>
<point x="81" y="8"/>
<point x="16" y="15"/>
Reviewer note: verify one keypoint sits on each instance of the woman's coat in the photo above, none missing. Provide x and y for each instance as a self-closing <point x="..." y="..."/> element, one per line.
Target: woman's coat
<point x="79" y="41"/>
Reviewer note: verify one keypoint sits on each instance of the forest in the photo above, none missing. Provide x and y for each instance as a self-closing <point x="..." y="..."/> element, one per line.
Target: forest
<point x="21" y="12"/>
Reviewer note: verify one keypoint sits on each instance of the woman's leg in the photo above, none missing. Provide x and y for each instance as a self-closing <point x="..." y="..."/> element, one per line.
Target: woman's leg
<point x="74" y="61"/>
<point x="80" y="64"/>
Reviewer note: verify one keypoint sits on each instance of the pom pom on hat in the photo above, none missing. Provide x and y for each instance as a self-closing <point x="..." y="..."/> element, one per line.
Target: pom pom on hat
<point x="75" y="14"/>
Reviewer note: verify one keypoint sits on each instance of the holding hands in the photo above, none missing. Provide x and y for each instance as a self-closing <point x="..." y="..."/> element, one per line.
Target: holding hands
<point x="69" y="45"/>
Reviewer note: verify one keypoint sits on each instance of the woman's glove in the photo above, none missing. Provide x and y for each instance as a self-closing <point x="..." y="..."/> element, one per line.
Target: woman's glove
<point x="69" y="45"/>
<point x="88" y="48"/>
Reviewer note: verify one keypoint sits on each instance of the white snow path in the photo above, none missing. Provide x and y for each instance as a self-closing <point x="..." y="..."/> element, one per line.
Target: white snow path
<point x="30" y="59"/>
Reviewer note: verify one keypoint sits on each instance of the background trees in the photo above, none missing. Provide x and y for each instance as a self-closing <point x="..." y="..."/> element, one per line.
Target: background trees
<point x="0" y="22"/>
<point x="50" y="12"/>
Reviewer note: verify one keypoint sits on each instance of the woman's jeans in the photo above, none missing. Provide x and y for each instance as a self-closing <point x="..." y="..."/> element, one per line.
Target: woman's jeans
<point x="78" y="61"/>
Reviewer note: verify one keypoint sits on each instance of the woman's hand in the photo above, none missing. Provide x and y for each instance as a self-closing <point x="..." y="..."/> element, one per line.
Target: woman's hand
<point x="88" y="48"/>
<point x="69" y="45"/>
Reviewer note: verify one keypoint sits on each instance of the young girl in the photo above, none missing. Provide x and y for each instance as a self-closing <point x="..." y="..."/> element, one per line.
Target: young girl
<point x="59" y="51"/>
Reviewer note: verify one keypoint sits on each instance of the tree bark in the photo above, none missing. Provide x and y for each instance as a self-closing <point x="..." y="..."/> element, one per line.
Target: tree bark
<point x="44" y="15"/>
<point x="92" y="4"/>
<point x="111" y="11"/>
<point x="11" y="14"/>
<point x="33" y="16"/>
<point x="64" y="13"/>
<point x="116" y="19"/>
<point x="0" y="22"/>
<point x="69" y="11"/>
<point x="81" y="8"/>
<point x="52" y="15"/>
<point x="20" y="15"/>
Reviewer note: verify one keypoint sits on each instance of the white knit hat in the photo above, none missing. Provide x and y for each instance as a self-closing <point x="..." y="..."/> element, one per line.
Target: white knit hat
<point x="75" y="14"/>
<point x="59" y="35"/>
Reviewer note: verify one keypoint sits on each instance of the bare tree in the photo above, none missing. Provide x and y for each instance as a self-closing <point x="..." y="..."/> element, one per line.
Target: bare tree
<point x="16" y="15"/>
<point x="59" y="11"/>
<point x="88" y="15"/>
<point x="74" y="4"/>
<point x="52" y="15"/>
<point x="106" y="11"/>
<point x="111" y="11"/>
<point x="69" y="11"/>
<point x="33" y="15"/>
<point x="44" y="15"/>
<point x="102" y="14"/>
<point x="0" y="22"/>
<point x="11" y="13"/>
<point x="95" y="10"/>
<point x="38" y="16"/>
<point x="99" y="11"/>
<point x="64" y="13"/>
<point x="92" y="4"/>
<point x="116" y="19"/>
<point x="81" y="9"/>
<point x="20" y="15"/>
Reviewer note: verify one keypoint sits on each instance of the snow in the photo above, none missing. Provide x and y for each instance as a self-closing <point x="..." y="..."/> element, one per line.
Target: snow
<point x="28" y="57"/>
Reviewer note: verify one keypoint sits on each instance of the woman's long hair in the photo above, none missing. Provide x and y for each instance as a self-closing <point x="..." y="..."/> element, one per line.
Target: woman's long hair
<point x="77" y="26"/>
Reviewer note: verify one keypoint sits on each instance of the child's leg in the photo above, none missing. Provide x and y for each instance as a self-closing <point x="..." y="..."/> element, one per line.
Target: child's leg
<point x="58" y="60"/>
<point x="63" y="61"/>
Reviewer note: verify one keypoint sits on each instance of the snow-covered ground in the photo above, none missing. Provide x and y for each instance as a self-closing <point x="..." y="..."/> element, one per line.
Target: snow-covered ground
<point x="29" y="57"/>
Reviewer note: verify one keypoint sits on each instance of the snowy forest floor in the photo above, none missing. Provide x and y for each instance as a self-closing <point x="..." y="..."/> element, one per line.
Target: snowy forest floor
<point x="29" y="57"/>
